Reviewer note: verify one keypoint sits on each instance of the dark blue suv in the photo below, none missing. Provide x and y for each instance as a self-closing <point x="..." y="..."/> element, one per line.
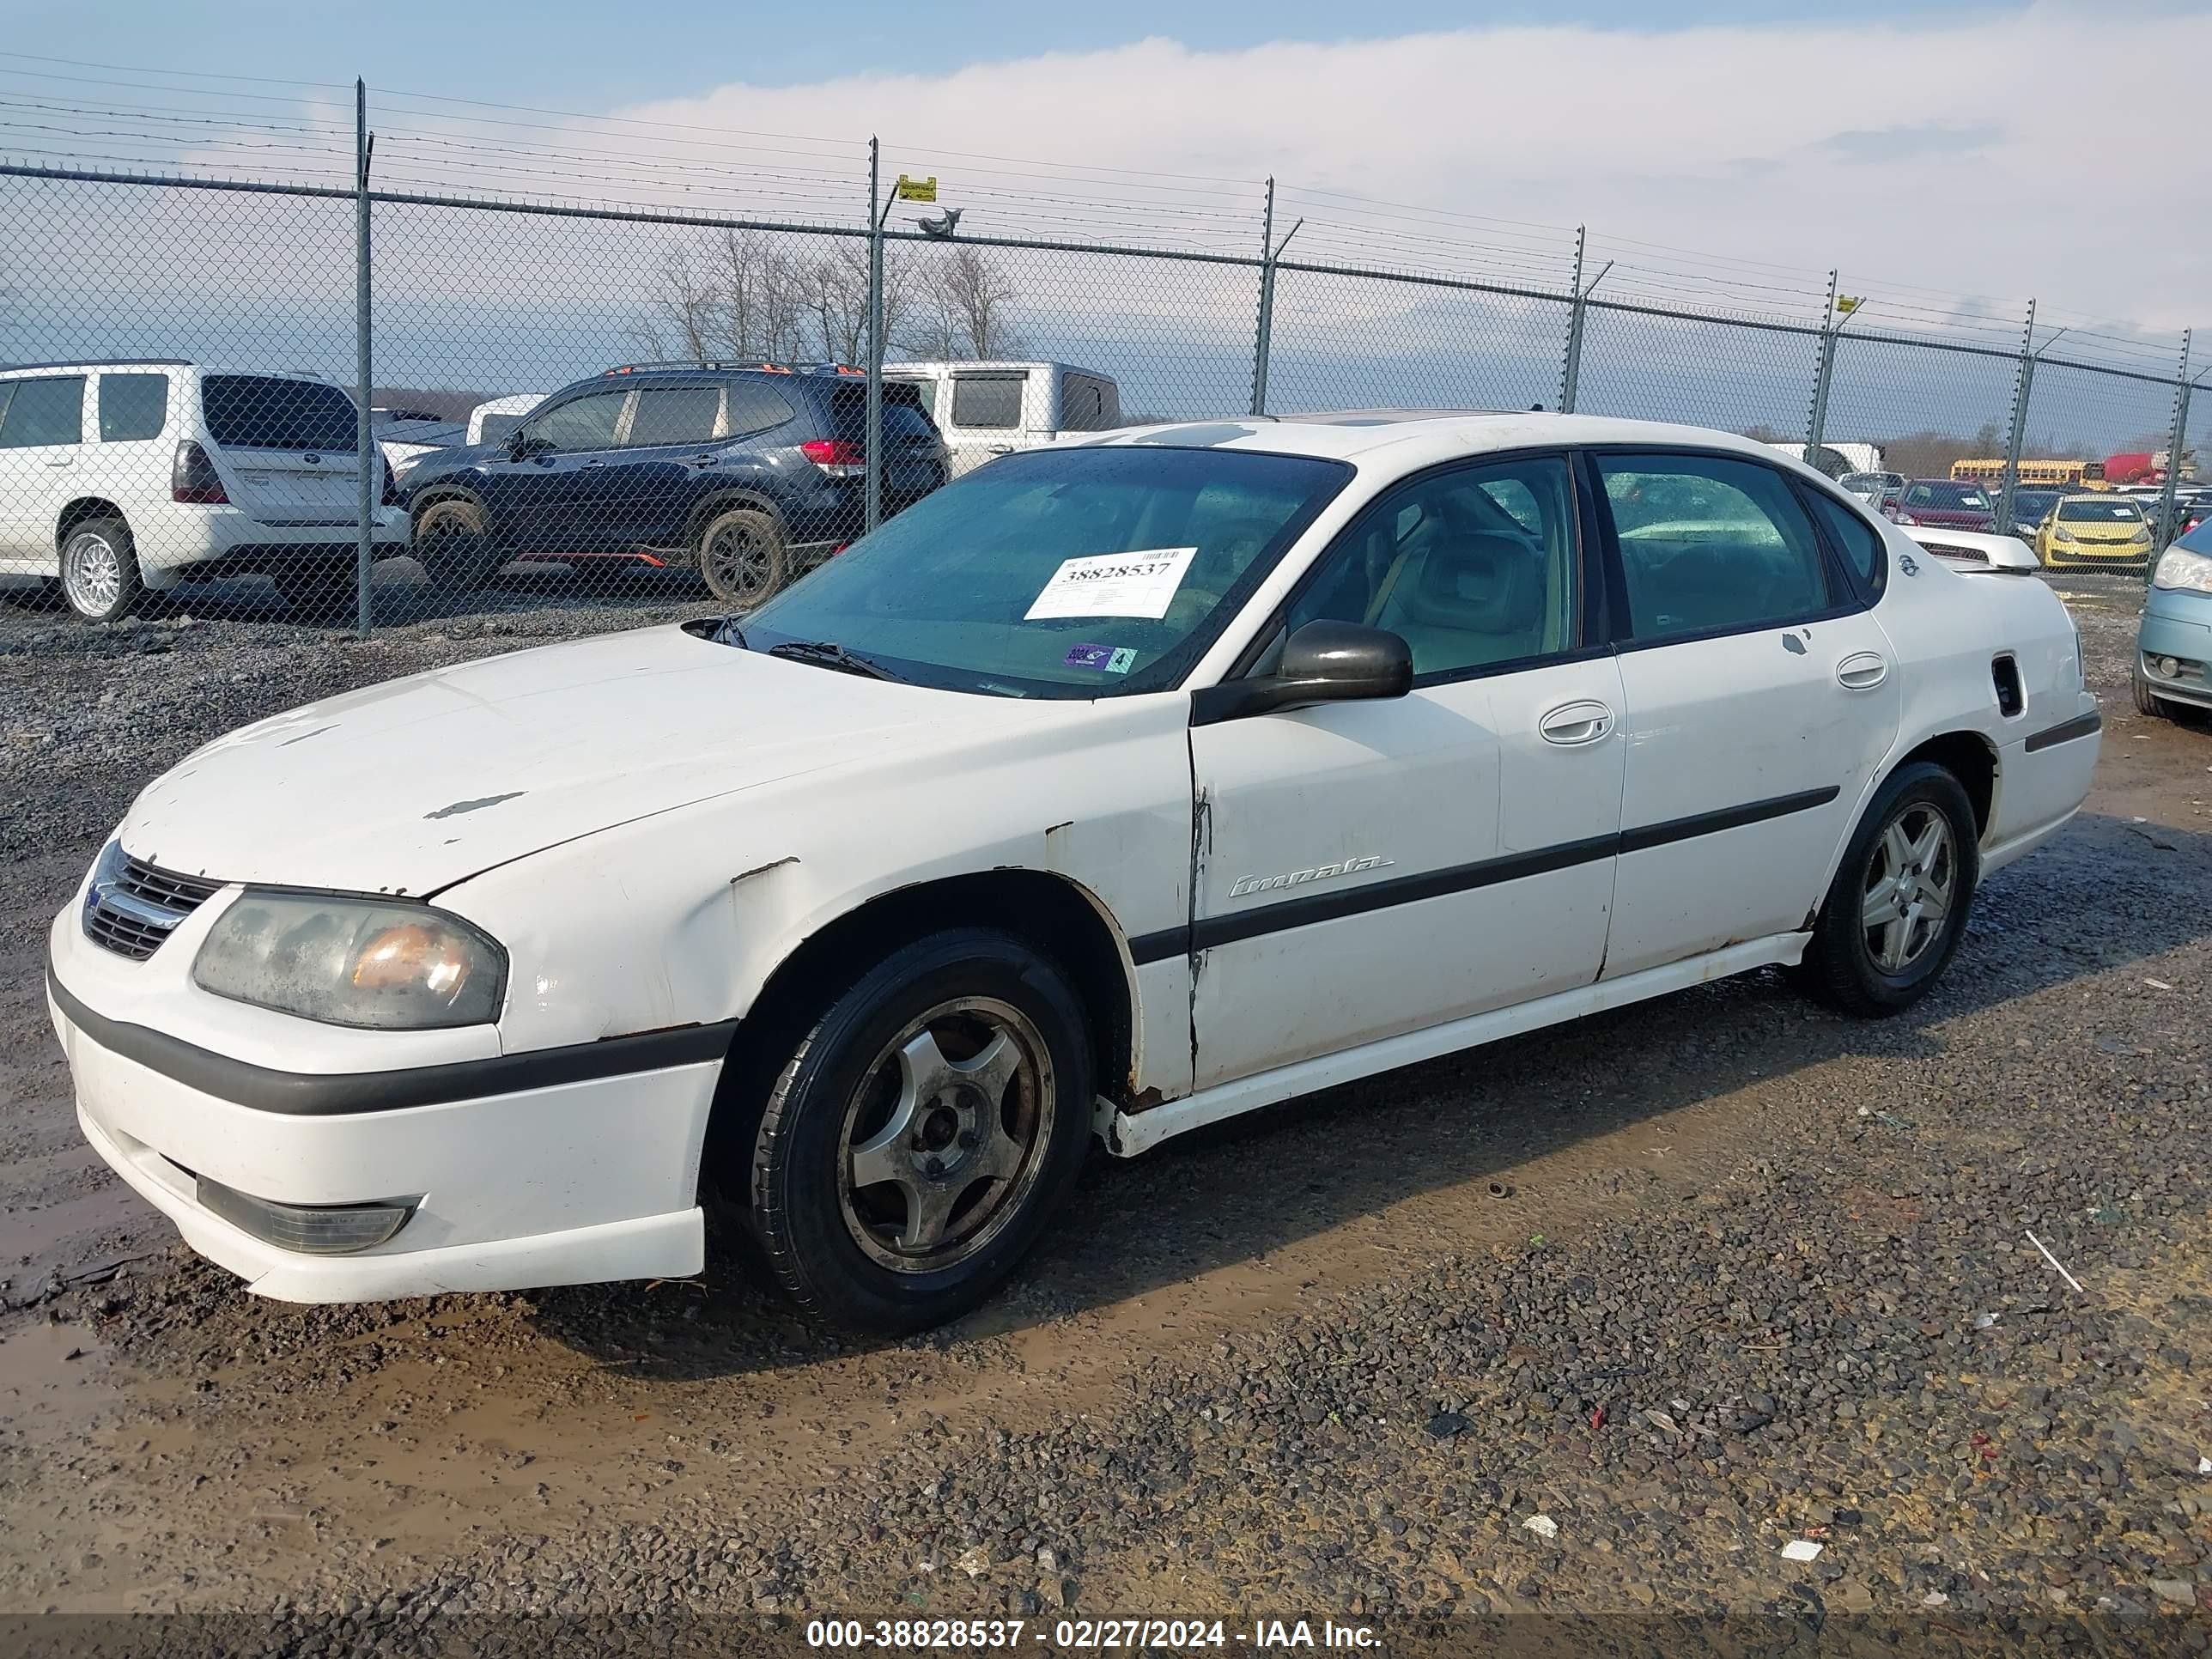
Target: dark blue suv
<point x="747" y="472"/>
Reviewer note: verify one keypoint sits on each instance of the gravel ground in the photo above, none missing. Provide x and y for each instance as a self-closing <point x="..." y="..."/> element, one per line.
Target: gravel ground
<point x="1585" y="1325"/>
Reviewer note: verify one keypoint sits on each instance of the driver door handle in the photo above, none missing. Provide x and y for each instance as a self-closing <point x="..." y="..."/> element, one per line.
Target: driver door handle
<point x="1573" y="724"/>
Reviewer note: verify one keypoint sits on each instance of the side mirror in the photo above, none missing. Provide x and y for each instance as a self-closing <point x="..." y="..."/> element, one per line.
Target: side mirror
<point x="521" y="447"/>
<point x="1322" y="662"/>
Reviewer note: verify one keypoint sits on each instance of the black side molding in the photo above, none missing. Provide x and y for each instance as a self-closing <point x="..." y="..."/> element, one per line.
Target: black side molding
<point x="344" y="1094"/>
<point x="2066" y="732"/>
<point x="1331" y="903"/>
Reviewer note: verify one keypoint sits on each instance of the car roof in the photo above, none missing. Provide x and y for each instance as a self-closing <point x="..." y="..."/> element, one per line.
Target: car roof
<point x="1350" y="433"/>
<point x="81" y="363"/>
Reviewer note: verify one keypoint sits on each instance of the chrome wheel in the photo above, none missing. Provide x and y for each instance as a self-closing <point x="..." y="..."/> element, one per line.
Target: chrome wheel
<point x="1912" y="880"/>
<point x="945" y="1136"/>
<point x="91" y="572"/>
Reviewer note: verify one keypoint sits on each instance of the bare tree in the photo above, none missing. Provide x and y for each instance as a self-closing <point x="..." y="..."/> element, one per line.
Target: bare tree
<point x="681" y="316"/>
<point x="748" y="294"/>
<point x="838" y="299"/>
<point x="973" y="299"/>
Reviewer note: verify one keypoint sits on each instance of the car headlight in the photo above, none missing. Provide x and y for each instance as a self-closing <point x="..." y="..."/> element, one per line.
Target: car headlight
<point x="352" y="962"/>
<point x="2062" y="534"/>
<point x="2141" y="535"/>
<point x="2183" y="571"/>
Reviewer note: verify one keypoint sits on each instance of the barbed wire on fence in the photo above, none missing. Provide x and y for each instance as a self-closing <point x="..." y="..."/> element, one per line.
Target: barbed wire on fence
<point x="521" y="264"/>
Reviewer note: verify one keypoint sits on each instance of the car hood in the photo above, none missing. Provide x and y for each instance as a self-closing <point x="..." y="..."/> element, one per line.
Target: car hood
<point x="411" y="785"/>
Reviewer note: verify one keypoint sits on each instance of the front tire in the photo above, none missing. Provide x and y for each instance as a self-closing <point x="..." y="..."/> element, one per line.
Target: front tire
<point x="99" y="574"/>
<point x="930" y="1123"/>
<point x="452" y="541"/>
<point x="1897" y="909"/>
<point x="2146" y="702"/>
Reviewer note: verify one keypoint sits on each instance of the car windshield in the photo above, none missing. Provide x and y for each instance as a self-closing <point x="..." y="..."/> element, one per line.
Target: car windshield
<point x="1064" y="572"/>
<point x="1969" y="497"/>
<point x="2198" y="540"/>
<point x="2099" y="513"/>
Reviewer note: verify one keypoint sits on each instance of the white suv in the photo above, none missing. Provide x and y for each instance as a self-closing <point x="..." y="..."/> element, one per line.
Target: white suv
<point x="119" y="477"/>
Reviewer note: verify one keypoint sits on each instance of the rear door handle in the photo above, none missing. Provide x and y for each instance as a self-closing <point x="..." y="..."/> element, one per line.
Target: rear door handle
<point x="60" y="460"/>
<point x="1862" y="671"/>
<point x="1573" y="724"/>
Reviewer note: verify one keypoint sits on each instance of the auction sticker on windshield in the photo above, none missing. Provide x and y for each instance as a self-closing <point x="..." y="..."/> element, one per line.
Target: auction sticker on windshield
<point x="1139" y="584"/>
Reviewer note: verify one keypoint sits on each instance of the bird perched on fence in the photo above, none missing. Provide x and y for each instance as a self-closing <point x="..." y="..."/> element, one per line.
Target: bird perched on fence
<point x="942" y="226"/>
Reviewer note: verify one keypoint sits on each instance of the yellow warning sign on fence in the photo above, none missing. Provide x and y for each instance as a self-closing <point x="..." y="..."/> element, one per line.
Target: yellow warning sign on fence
<point x="917" y="189"/>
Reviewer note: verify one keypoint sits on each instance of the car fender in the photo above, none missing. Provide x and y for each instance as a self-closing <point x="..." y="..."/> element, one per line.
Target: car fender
<point x="682" y="917"/>
<point x="723" y="496"/>
<point x="1946" y="628"/>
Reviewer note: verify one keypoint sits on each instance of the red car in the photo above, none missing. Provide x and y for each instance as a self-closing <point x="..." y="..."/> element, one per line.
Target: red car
<point x="1943" y="504"/>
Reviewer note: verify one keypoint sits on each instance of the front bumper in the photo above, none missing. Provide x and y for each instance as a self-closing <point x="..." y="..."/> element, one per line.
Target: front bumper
<point x="560" y="1182"/>
<point x="2095" y="556"/>
<point x="2178" y="625"/>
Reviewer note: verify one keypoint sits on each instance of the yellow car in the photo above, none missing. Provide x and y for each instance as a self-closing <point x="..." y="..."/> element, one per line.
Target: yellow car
<point x="2086" y="532"/>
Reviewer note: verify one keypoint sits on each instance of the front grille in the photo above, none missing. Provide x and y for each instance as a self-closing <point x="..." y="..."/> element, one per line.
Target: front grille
<point x="1965" y="554"/>
<point x="132" y="910"/>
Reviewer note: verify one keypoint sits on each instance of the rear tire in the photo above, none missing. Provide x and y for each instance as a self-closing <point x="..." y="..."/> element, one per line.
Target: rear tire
<point x="930" y="1123"/>
<point x="452" y="541"/>
<point x="741" y="555"/>
<point x="99" y="574"/>
<point x="1897" y="909"/>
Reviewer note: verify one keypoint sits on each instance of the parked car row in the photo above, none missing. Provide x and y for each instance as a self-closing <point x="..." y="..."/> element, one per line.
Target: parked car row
<point x="118" y="477"/>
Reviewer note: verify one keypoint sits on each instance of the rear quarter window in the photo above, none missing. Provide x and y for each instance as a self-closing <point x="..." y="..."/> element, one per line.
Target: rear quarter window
<point x="1854" y="538"/>
<point x="132" y="407"/>
<point x="754" y="407"/>
<point x="987" y="400"/>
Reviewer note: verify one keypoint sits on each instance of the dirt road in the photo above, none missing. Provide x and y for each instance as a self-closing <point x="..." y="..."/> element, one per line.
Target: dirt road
<point x="1687" y="1282"/>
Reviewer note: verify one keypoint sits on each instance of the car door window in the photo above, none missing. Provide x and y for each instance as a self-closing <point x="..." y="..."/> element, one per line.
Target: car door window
<point x="987" y="400"/>
<point x="1854" y="538"/>
<point x="1710" y="544"/>
<point x="47" y="412"/>
<point x="132" y="406"/>
<point x="1471" y="566"/>
<point x="586" y="423"/>
<point x="675" y="415"/>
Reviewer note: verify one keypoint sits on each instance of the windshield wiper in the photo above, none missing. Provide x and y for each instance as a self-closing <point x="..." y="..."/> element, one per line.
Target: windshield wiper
<point x="828" y="654"/>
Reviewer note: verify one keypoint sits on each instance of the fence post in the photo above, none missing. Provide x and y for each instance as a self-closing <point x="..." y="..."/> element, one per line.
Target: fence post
<point x="1817" y="426"/>
<point x="2176" y="437"/>
<point x="1571" y="371"/>
<point x="1261" y="340"/>
<point x="2023" y="383"/>
<point x="872" y="437"/>
<point x="365" y="460"/>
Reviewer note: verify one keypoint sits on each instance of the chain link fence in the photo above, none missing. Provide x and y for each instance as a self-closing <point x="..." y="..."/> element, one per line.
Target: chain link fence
<point x="621" y="413"/>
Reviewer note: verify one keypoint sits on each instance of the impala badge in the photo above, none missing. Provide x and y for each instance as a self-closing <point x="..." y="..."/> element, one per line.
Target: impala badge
<point x="1299" y="877"/>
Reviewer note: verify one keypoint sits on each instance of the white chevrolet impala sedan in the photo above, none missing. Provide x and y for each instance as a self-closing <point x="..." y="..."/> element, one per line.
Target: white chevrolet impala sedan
<point x="1115" y="789"/>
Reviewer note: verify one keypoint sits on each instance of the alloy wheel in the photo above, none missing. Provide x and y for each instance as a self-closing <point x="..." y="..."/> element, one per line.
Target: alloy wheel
<point x="739" y="563"/>
<point x="945" y="1135"/>
<point x="92" y="572"/>
<point x="1912" y="880"/>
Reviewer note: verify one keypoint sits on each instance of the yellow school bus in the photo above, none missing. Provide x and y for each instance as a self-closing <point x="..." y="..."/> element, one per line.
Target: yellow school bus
<point x="2061" y="475"/>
